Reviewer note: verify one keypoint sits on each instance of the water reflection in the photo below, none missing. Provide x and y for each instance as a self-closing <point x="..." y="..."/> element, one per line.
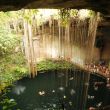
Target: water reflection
<point x="61" y="88"/>
<point x="72" y="91"/>
<point x="64" y="90"/>
<point x="53" y="91"/>
<point x="71" y="78"/>
<point x="41" y="93"/>
<point x="19" y="89"/>
<point x="90" y="97"/>
<point x="99" y="104"/>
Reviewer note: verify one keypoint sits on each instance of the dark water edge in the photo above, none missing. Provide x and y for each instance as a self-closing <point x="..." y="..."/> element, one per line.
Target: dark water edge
<point x="60" y="90"/>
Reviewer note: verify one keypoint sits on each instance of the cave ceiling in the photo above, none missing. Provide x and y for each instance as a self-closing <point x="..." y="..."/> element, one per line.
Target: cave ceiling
<point x="102" y="6"/>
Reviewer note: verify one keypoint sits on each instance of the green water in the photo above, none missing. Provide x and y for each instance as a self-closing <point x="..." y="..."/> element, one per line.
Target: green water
<point x="60" y="90"/>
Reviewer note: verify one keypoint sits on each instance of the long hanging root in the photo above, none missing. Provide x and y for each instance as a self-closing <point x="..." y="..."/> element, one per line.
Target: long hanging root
<point x="33" y="70"/>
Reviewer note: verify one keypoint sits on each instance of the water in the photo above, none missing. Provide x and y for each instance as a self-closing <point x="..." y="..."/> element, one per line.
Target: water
<point x="60" y="90"/>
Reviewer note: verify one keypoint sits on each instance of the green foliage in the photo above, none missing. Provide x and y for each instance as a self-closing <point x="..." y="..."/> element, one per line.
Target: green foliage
<point x="5" y="102"/>
<point x="4" y="18"/>
<point x="54" y="65"/>
<point x="64" y="15"/>
<point x="12" y="68"/>
<point x="74" y="12"/>
<point x="8" y="104"/>
<point x="12" y="61"/>
<point x="8" y="41"/>
<point x="29" y="14"/>
<point x="91" y="13"/>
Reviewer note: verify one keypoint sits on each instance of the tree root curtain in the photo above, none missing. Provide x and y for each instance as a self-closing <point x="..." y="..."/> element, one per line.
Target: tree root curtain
<point x="73" y="42"/>
<point x="29" y="48"/>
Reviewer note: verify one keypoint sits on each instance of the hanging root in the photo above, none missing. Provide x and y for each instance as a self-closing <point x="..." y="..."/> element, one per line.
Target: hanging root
<point x="33" y="70"/>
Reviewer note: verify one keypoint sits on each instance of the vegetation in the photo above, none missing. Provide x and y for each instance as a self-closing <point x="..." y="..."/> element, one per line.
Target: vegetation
<point x="14" y="25"/>
<point x="12" y="72"/>
<point x="12" y="61"/>
<point x="8" y="41"/>
<point x="12" y="68"/>
<point x="6" y="103"/>
<point x="50" y="64"/>
<point x="13" y="64"/>
<point x="66" y="13"/>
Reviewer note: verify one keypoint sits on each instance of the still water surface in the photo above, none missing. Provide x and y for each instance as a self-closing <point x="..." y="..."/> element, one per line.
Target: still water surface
<point x="61" y="90"/>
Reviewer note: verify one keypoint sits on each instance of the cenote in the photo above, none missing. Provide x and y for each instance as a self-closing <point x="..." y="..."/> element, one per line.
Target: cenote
<point x="67" y="48"/>
<point x="59" y="90"/>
